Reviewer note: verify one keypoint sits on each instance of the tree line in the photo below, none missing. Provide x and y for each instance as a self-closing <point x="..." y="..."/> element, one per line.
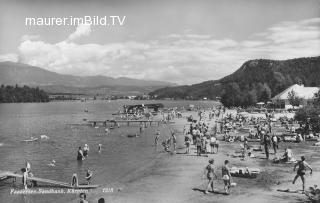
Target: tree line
<point x="17" y="94"/>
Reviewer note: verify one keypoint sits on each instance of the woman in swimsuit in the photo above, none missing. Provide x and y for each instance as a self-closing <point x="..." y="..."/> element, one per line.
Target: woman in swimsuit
<point x="80" y="156"/>
<point x="210" y="173"/>
<point x="226" y="176"/>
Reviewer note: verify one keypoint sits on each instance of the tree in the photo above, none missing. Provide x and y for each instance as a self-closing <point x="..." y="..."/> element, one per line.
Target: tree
<point x="293" y="98"/>
<point x="232" y="95"/>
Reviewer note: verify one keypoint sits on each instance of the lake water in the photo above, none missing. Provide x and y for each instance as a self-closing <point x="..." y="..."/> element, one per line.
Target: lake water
<point x="119" y="157"/>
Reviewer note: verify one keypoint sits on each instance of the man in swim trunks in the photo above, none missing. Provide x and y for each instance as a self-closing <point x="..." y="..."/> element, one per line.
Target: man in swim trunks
<point x="302" y="167"/>
<point x="210" y="173"/>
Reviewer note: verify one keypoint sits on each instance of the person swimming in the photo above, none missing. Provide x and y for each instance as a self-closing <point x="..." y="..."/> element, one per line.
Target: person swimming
<point x="53" y="162"/>
<point x="100" y="147"/>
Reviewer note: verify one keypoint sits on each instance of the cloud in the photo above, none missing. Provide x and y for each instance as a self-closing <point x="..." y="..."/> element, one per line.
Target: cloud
<point x="30" y="37"/>
<point x="9" y="57"/>
<point x="183" y="58"/>
<point x="82" y="30"/>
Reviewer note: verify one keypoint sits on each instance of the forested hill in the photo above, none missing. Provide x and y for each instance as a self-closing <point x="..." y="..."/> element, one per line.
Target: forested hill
<point x="255" y="80"/>
<point x="16" y="94"/>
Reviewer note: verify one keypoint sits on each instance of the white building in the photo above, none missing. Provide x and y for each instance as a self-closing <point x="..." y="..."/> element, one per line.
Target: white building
<point x="305" y="93"/>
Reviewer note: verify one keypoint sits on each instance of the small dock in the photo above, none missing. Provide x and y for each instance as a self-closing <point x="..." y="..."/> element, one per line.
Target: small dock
<point x="116" y="122"/>
<point x="7" y="175"/>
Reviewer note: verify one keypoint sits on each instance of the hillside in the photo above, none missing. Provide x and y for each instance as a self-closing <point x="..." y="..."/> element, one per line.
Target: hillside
<point x="16" y="73"/>
<point x="259" y="79"/>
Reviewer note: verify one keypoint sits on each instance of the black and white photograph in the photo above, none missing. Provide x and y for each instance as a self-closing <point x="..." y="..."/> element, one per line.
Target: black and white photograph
<point x="162" y="101"/>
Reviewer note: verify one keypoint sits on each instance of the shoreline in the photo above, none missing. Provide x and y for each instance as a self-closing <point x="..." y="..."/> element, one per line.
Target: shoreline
<point x="178" y="178"/>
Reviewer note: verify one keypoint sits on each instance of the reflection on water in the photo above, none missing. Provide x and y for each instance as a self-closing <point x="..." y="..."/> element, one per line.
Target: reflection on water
<point x="120" y="155"/>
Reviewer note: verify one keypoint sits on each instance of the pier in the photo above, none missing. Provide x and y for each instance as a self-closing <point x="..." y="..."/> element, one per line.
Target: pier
<point x="4" y="175"/>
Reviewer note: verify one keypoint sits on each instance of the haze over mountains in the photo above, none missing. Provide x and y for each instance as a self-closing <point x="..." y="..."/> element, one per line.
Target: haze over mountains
<point x="12" y="73"/>
<point x="254" y="76"/>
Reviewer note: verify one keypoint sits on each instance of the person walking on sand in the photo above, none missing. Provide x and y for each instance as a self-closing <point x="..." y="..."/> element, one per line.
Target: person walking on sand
<point x="302" y="167"/>
<point x="210" y="173"/>
<point x="226" y="176"/>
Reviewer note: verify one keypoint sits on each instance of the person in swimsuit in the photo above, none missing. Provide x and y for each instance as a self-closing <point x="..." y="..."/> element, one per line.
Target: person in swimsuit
<point x="74" y="181"/>
<point x="85" y="150"/>
<point x="187" y="140"/>
<point x="210" y="173"/>
<point x="302" y="167"/>
<point x="156" y="139"/>
<point x="174" y="141"/>
<point x="226" y="176"/>
<point x="80" y="156"/>
<point x="100" y="147"/>
<point x="89" y="176"/>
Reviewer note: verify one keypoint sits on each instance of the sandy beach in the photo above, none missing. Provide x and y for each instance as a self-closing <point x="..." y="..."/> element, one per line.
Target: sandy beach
<point x="179" y="177"/>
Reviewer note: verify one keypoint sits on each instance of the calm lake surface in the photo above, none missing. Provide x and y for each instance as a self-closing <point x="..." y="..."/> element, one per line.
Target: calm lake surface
<point x="60" y="122"/>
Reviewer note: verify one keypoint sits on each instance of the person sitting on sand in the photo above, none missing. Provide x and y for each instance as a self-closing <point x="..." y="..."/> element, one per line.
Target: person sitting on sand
<point x="302" y="167"/>
<point x="226" y="176"/>
<point x="210" y="173"/>
<point x="89" y="176"/>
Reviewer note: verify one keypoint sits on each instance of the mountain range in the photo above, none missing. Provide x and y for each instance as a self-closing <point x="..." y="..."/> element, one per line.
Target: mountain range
<point x="255" y="76"/>
<point x="12" y="73"/>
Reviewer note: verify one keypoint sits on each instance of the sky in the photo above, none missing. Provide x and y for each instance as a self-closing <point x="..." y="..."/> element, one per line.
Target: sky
<point x="180" y="41"/>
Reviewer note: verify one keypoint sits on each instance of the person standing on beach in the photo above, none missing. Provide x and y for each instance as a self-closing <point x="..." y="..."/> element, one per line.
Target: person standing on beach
<point x="302" y="167"/>
<point x="174" y="141"/>
<point x="141" y="127"/>
<point x="198" y="144"/>
<point x="274" y="143"/>
<point x="226" y="176"/>
<point x="267" y="145"/>
<point x="187" y="140"/>
<point x="210" y="173"/>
